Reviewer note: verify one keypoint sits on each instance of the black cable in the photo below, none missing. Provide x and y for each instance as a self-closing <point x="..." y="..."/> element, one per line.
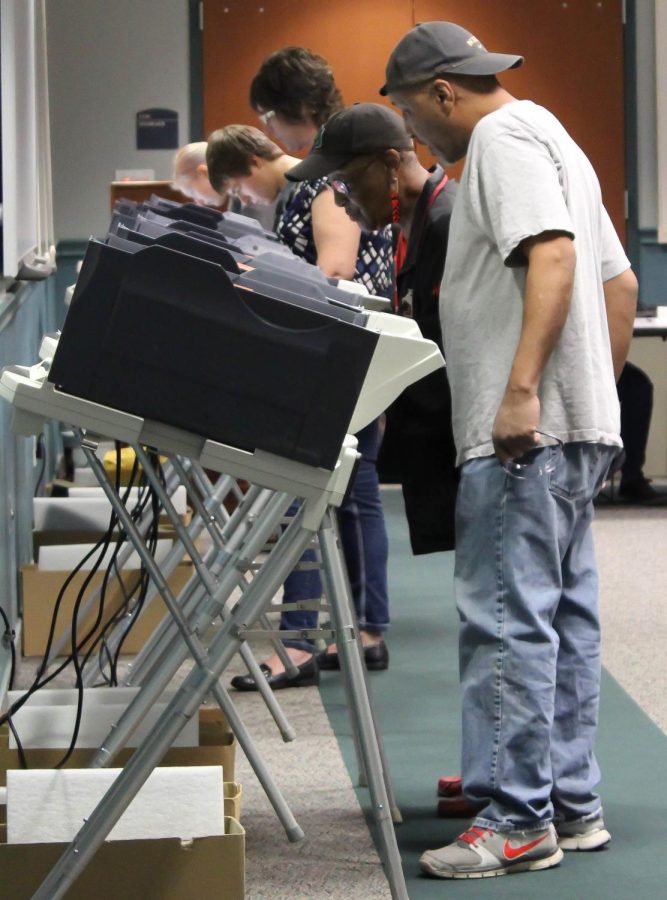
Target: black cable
<point x="78" y="666"/>
<point x="8" y="637"/>
<point x="144" y="582"/>
<point x="76" y="645"/>
<point x="19" y="746"/>
<point x="137" y="513"/>
<point x="40" y="679"/>
<point x="40" y="452"/>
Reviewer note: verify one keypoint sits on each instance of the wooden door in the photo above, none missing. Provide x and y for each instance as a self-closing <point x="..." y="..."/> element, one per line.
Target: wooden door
<point x="573" y="65"/>
<point x="355" y="37"/>
<point x="573" y="52"/>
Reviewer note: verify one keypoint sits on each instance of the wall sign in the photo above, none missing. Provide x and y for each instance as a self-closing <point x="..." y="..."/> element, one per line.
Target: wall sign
<point x="157" y="129"/>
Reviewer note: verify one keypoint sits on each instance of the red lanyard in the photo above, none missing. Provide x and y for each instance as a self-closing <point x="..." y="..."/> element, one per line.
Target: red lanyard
<point x="438" y="188"/>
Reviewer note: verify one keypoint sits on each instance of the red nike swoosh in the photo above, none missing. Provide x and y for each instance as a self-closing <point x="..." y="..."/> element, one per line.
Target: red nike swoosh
<point x="514" y="852"/>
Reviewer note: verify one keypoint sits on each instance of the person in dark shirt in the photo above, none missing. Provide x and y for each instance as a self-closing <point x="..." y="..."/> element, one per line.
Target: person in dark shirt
<point x="376" y="177"/>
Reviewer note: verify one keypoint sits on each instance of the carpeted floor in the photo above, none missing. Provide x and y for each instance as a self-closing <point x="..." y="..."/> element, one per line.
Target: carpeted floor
<point x="416" y="701"/>
<point x="417" y="705"/>
<point x="337" y="859"/>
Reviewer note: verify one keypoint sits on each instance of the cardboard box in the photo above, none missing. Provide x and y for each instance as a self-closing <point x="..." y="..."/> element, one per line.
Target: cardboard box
<point x="47" y="537"/>
<point x="211" y="868"/>
<point x="217" y="747"/>
<point x="40" y="589"/>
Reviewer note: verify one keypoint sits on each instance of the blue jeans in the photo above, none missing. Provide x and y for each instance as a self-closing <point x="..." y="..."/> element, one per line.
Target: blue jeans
<point x="526" y="591"/>
<point x="365" y="547"/>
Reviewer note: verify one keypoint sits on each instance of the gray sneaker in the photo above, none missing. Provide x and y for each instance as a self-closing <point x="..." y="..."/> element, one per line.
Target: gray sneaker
<point x="591" y="835"/>
<point x="481" y="853"/>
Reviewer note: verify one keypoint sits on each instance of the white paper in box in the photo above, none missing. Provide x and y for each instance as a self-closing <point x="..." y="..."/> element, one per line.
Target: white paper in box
<point x="65" y="557"/>
<point x="88" y="512"/>
<point x="50" y="805"/>
<point x="47" y="719"/>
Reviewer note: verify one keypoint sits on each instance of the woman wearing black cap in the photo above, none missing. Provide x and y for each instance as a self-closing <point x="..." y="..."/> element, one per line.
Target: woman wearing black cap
<point x="377" y="178"/>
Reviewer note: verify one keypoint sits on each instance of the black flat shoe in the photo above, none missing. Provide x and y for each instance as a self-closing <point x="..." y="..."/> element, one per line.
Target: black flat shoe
<point x="308" y="675"/>
<point x="376" y="657"/>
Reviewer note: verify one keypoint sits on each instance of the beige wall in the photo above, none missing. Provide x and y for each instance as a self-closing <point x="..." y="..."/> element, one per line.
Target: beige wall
<point x="107" y="60"/>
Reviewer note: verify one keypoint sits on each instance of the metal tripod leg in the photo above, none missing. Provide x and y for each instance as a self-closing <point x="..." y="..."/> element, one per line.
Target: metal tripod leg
<point x="233" y="532"/>
<point x="396" y="816"/>
<point x="177" y="652"/>
<point x="203" y="484"/>
<point x="352" y="666"/>
<point x="93" y="669"/>
<point x="212" y="585"/>
<point x="92" y="597"/>
<point x="185" y="703"/>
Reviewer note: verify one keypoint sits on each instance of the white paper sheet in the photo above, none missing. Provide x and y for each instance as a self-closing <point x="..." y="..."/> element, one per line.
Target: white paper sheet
<point x="47" y="805"/>
<point x="47" y="719"/>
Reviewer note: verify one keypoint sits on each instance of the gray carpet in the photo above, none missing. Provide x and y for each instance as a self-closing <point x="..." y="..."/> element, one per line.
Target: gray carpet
<point x="418" y="708"/>
<point x="417" y="704"/>
<point x="338" y="858"/>
<point x="631" y="546"/>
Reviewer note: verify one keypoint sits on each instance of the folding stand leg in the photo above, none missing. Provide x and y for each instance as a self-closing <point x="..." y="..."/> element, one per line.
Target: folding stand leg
<point x="92" y="597"/>
<point x="213" y="588"/>
<point x="201" y="681"/>
<point x="93" y="669"/>
<point x="352" y="666"/>
<point x="396" y="816"/>
<point x="233" y="533"/>
<point x="277" y="643"/>
<point x="177" y="652"/>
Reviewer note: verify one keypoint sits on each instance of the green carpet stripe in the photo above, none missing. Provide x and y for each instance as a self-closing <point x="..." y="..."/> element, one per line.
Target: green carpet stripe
<point x="417" y="706"/>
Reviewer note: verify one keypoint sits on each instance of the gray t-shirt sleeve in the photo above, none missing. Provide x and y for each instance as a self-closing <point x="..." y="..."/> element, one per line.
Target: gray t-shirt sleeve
<point x="518" y="193"/>
<point x="614" y="260"/>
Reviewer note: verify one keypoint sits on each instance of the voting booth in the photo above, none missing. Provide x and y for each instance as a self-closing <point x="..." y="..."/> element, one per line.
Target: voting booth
<point x="193" y="341"/>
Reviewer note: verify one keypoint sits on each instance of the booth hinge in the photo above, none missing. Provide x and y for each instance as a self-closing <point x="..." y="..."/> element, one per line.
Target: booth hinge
<point x="201" y="15"/>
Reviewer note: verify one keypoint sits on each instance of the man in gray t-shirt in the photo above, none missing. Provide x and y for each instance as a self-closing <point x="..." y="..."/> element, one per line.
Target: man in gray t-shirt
<point x="537" y="305"/>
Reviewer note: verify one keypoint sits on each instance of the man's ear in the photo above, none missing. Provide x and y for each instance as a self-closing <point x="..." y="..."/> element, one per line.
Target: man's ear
<point x="444" y="94"/>
<point x="202" y="169"/>
<point x="256" y="162"/>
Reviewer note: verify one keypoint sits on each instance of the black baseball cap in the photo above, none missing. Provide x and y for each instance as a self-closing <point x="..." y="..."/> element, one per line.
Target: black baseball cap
<point x="359" y="129"/>
<point x="432" y="47"/>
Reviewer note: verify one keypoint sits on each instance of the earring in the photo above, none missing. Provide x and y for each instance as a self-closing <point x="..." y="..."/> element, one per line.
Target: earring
<point x="395" y="208"/>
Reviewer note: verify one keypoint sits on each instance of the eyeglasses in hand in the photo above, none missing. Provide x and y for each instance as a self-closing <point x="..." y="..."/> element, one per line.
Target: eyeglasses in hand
<point x="534" y="464"/>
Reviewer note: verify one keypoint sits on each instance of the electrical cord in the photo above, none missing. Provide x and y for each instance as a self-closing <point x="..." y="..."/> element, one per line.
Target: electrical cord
<point x="40" y="452"/>
<point x="78" y="666"/>
<point x="137" y="513"/>
<point x="76" y="644"/>
<point x="41" y="679"/>
<point x="8" y="638"/>
<point x="145" y="577"/>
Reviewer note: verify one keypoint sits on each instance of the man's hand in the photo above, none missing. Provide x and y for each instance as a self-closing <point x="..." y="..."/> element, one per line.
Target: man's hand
<point x="551" y="260"/>
<point x="515" y="425"/>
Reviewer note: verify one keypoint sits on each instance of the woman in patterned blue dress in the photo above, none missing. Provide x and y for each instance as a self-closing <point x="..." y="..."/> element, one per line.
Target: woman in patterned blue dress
<point x="242" y="159"/>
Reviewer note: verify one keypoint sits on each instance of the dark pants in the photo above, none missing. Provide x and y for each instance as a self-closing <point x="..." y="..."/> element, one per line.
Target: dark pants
<point x="635" y="394"/>
<point x="365" y="547"/>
